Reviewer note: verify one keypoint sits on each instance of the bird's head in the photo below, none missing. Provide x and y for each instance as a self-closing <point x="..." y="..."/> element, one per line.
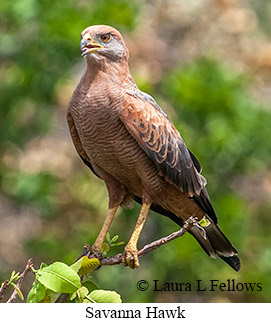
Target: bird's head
<point x="102" y="42"/>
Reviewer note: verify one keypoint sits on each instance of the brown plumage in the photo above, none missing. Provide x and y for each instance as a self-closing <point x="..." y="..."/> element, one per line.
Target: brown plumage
<point x="126" y="139"/>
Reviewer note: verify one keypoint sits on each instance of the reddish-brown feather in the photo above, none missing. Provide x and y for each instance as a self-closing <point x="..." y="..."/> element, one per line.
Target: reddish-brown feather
<point x="162" y="143"/>
<point x="126" y="139"/>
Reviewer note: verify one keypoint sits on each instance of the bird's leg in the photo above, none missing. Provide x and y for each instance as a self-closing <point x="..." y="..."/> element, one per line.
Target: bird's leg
<point x="97" y="246"/>
<point x="130" y="257"/>
<point x="117" y="193"/>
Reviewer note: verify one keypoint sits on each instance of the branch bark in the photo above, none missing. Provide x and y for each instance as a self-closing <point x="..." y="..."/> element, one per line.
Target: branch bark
<point x="3" y="288"/>
<point x="115" y="260"/>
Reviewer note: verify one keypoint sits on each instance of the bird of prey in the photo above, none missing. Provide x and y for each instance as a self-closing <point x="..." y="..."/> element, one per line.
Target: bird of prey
<point x="127" y="140"/>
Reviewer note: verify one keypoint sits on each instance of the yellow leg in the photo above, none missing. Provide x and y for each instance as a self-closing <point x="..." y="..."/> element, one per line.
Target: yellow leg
<point x="107" y="222"/>
<point x="130" y="257"/>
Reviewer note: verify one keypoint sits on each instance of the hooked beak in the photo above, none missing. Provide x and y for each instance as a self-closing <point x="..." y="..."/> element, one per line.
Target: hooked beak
<point x="89" y="46"/>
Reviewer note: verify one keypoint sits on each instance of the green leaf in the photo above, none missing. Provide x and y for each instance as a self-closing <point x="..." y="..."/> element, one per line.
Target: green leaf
<point x="19" y="292"/>
<point x="11" y="276"/>
<point x="77" y="265"/>
<point x="59" y="277"/>
<point x="16" y="277"/>
<point x="37" y="293"/>
<point x="82" y="293"/>
<point x="115" y="238"/>
<point x="50" y="296"/>
<point x="43" y="265"/>
<point x="79" y="295"/>
<point x="108" y="236"/>
<point x="90" y="285"/>
<point x="118" y="244"/>
<point x="105" y="296"/>
<point x="88" y="265"/>
<point x="204" y="222"/>
<point x="105" y="247"/>
<point x="85" y="265"/>
<point x="73" y="296"/>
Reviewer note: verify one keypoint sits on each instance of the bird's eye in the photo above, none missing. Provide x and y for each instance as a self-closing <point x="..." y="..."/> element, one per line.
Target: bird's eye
<point x="105" y="38"/>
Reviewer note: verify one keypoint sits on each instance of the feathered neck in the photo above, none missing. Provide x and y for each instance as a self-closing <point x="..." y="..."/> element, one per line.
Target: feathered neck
<point x="105" y="70"/>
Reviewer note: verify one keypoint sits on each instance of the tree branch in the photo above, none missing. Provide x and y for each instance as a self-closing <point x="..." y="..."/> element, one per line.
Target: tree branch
<point x="3" y="288"/>
<point x="27" y="268"/>
<point x="105" y="261"/>
<point x="115" y="260"/>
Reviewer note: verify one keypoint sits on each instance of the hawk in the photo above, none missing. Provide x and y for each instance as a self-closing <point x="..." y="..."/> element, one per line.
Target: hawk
<point x="129" y="142"/>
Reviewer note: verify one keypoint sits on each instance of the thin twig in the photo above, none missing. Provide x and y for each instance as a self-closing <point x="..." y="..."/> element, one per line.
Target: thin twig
<point x="158" y="243"/>
<point x="3" y="288"/>
<point x="27" y="268"/>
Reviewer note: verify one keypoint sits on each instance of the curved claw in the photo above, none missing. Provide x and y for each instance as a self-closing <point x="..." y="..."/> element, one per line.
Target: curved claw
<point x="130" y="258"/>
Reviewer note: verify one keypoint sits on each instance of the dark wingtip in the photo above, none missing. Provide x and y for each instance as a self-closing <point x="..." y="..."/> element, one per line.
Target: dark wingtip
<point x="233" y="261"/>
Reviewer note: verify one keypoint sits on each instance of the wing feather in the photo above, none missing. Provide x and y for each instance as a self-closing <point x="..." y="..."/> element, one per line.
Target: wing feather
<point x="162" y="142"/>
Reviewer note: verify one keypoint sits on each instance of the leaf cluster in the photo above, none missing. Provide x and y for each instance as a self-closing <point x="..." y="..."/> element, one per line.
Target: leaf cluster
<point x="12" y="282"/>
<point x="74" y="280"/>
<point x="110" y="242"/>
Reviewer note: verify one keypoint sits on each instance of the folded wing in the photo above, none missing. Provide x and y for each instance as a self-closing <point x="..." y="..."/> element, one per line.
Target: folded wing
<point x="163" y="144"/>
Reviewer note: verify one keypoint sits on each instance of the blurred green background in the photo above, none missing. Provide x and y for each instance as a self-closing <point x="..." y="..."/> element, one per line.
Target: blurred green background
<point x="208" y="65"/>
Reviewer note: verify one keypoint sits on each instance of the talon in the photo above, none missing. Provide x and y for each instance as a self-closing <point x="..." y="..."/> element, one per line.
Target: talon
<point x="130" y="258"/>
